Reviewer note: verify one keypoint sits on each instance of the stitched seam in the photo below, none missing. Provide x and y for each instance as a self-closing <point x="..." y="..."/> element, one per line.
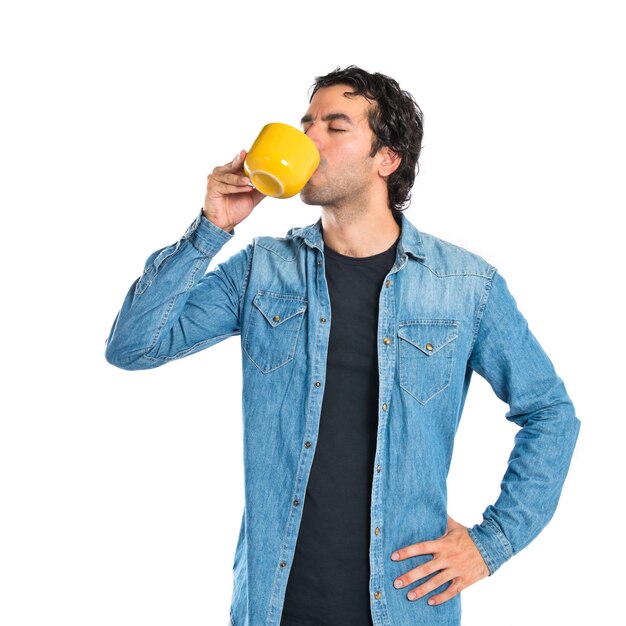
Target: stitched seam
<point x="480" y="310"/>
<point x="451" y="274"/>
<point x="163" y="321"/>
<point x="423" y="322"/>
<point x="289" y="259"/>
<point x="488" y="560"/>
<point x="170" y="306"/>
<point x="192" y="278"/>
<point x="196" y="346"/>
<point x="504" y="542"/>
<point x="245" y="282"/>
<point x="282" y="296"/>
<point x="206" y="246"/>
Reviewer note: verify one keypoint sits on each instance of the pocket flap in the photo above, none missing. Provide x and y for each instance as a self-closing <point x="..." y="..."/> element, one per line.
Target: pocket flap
<point x="277" y="308"/>
<point x="429" y="335"/>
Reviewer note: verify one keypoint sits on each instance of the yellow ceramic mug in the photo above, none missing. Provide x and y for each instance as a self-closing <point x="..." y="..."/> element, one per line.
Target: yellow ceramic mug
<point x="281" y="160"/>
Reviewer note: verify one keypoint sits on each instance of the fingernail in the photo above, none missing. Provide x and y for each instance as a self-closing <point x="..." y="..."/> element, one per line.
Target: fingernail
<point x="397" y="584"/>
<point x="431" y="602"/>
<point x="395" y="556"/>
<point x="411" y="595"/>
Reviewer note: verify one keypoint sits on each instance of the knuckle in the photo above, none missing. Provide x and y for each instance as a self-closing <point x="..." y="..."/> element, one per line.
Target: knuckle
<point x="433" y="565"/>
<point x="427" y="587"/>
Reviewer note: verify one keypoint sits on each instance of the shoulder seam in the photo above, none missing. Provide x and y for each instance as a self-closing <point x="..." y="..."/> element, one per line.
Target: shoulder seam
<point x="246" y="278"/>
<point x="481" y="307"/>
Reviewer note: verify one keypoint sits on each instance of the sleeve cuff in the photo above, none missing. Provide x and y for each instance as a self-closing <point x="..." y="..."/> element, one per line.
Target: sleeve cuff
<point x="493" y="546"/>
<point x="206" y="236"/>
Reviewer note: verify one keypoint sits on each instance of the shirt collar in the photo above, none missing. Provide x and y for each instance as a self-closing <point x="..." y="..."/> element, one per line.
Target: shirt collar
<point x="410" y="240"/>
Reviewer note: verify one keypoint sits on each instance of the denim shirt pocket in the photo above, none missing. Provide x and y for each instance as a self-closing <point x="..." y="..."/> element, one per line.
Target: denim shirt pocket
<point x="273" y="328"/>
<point x="426" y="355"/>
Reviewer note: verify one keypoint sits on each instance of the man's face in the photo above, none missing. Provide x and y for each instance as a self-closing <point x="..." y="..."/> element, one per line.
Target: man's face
<point x="338" y="126"/>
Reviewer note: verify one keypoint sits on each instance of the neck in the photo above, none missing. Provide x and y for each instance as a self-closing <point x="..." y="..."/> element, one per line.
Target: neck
<point x="359" y="234"/>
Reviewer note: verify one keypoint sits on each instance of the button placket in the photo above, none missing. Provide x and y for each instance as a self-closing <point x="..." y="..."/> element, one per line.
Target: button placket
<point x="387" y="333"/>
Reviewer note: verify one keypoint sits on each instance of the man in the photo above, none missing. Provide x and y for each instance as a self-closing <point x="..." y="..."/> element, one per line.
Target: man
<point x="359" y="337"/>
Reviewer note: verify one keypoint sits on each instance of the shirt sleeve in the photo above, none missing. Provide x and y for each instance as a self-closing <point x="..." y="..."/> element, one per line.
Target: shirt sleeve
<point x="174" y="309"/>
<point x="509" y="357"/>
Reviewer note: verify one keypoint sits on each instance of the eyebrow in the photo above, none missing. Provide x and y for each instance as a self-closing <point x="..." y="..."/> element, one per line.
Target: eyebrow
<point x="308" y="118"/>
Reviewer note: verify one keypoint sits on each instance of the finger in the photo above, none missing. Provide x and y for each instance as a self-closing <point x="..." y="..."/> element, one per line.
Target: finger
<point x="450" y="592"/>
<point x="417" y="573"/>
<point x="229" y="179"/>
<point x="237" y="162"/>
<point x="223" y="189"/>
<point x="430" y="585"/>
<point x="234" y="165"/>
<point x="416" y="549"/>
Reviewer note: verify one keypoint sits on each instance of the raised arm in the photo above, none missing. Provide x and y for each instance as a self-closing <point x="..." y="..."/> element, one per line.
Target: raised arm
<point x="173" y="309"/>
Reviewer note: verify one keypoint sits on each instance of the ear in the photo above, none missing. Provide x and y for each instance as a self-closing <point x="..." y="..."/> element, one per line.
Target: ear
<point x="390" y="162"/>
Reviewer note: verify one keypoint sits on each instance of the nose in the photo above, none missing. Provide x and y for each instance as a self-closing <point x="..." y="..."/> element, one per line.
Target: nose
<point x="313" y="133"/>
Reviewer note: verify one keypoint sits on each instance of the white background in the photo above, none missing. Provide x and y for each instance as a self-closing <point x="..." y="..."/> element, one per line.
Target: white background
<point x="121" y="493"/>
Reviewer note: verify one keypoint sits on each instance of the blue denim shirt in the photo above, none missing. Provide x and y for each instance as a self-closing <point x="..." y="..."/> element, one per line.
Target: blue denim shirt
<point x="444" y="313"/>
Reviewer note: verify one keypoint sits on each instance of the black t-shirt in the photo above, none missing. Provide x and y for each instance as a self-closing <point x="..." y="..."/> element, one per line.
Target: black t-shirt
<point x="329" y="578"/>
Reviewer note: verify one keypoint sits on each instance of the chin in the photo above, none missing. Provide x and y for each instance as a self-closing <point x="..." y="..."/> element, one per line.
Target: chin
<point x="307" y="195"/>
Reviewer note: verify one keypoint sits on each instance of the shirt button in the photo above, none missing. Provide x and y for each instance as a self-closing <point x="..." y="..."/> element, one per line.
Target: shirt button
<point x="388" y="283"/>
<point x="307" y="444"/>
<point x="378" y="468"/>
<point x="323" y="320"/>
<point x="377" y="595"/>
<point x="429" y="347"/>
<point x="386" y="340"/>
<point x="385" y="407"/>
<point x="317" y="383"/>
<point x="283" y="564"/>
<point x="377" y="531"/>
<point x="296" y="502"/>
<point x="277" y="318"/>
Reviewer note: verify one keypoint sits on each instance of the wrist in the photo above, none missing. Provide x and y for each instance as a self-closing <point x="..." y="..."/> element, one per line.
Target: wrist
<point x="219" y="223"/>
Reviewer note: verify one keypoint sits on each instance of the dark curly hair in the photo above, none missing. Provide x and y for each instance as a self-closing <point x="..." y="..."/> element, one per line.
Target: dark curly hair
<point x="395" y="119"/>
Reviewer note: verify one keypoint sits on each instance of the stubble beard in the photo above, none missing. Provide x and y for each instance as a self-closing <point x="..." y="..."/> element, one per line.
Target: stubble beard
<point x="344" y="191"/>
<point x="320" y="196"/>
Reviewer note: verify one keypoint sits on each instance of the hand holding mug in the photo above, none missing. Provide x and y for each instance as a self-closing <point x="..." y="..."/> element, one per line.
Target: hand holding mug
<point x="279" y="164"/>
<point x="229" y="196"/>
